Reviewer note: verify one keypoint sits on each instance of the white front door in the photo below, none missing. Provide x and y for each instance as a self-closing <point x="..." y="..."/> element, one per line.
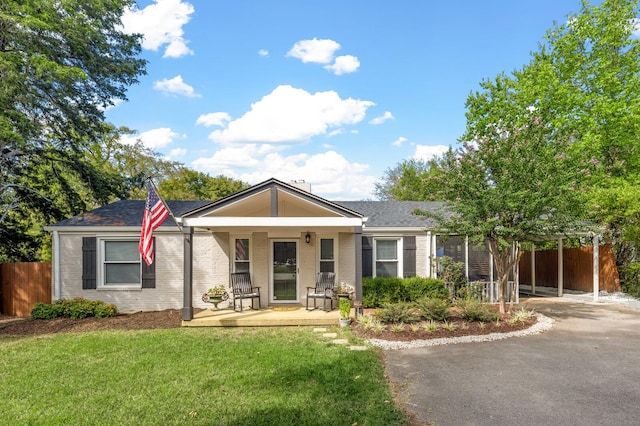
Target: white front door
<point x="284" y="272"/>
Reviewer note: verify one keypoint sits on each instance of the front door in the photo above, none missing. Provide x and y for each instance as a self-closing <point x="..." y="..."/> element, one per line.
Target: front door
<point x="284" y="275"/>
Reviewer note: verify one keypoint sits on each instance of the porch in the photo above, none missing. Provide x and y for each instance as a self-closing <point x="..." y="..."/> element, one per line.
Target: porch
<point x="266" y="317"/>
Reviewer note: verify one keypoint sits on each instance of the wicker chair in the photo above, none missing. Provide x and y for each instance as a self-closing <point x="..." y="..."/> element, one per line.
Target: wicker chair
<point x="325" y="282"/>
<point x="241" y="288"/>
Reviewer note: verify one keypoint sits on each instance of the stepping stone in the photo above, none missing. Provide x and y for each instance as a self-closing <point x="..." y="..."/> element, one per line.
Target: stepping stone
<point x="320" y="330"/>
<point x="358" y="348"/>
<point x="340" y="341"/>
<point x="330" y="335"/>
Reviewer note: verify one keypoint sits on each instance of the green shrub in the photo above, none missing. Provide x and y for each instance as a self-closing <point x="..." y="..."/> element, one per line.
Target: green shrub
<point x="474" y="310"/>
<point x="433" y="309"/>
<point x="470" y="291"/>
<point x="380" y="290"/>
<point x="418" y="287"/>
<point x="398" y="312"/>
<point x="43" y="311"/>
<point x="73" y="308"/>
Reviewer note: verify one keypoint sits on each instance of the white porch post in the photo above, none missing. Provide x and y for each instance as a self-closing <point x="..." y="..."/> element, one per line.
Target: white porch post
<point x="466" y="257"/>
<point x="560" y="268"/>
<point x="429" y="258"/>
<point x="533" y="268"/>
<point x="358" y="254"/>
<point x="596" y="267"/>
<point x="492" y="298"/>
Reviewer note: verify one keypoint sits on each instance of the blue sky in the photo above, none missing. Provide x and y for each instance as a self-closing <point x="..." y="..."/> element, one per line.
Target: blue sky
<point x="330" y="92"/>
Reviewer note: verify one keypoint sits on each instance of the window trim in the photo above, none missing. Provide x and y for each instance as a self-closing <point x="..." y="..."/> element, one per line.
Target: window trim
<point x="336" y="256"/>
<point x="399" y="255"/>
<point x="101" y="255"/>
<point x="232" y="251"/>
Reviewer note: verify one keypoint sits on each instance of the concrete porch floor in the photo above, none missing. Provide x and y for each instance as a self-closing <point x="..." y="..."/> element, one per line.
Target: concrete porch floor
<point x="266" y="317"/>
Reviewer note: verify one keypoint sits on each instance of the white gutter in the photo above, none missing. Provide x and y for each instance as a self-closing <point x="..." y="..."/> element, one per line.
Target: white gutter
<point x="57" y="287"/>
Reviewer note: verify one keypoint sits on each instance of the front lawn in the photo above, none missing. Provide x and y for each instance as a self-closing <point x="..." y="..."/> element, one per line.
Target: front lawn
<point x="233" y="376"/>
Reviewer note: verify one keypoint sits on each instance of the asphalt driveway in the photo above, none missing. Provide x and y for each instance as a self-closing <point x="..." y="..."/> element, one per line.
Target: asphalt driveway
<point x="584" y="371"/>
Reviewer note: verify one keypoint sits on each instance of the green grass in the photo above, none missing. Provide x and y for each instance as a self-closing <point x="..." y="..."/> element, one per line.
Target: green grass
<point x="250" y="376"/>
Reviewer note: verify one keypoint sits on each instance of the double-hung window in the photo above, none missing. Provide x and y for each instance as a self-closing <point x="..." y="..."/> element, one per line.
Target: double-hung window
<point x="327" y="255"/>
<point x="120" y="263"/>
<point x="387" y="257"/>
<point x="241" y="258"/>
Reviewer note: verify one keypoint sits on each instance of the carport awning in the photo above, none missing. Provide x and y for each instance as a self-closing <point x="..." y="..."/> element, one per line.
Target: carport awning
<point x="279" y="222"/>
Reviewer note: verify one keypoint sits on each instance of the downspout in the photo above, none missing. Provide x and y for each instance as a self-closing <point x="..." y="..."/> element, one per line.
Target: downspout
<point x="57" y="287"/>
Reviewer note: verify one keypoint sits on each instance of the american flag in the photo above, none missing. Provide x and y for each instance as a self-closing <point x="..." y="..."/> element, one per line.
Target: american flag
<point x="155" y="212"/>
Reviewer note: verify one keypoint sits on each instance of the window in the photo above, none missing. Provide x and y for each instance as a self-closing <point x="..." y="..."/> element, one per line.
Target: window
<point x="327" y="257"/>
<point x="120" y="263"/>
<point x="241" y="263"/>
<point x="387" y="258"/>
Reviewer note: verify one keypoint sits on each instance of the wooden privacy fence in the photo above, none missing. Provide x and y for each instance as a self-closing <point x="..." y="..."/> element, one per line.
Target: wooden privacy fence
<point x="22" y="285"/>
<point x="577" y="269"/>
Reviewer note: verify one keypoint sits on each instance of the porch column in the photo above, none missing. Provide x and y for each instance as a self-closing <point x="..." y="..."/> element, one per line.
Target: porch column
<point x="596" y="267"/>
<point x="358" y="236"/>
<point x="466" y="257"/>
<point x="187" y="309"/>
<point x="560" y="268"/>
<point x="429" y="258"/>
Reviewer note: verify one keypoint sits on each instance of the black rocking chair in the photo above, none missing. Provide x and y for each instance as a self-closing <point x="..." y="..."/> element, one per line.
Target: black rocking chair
<point x="325" y="282"/>
<point x="241" y="288"/>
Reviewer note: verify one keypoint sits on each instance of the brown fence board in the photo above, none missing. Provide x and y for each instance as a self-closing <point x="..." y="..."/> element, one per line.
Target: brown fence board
<point x="22" y="285"/>
<point x="577" y="269"/>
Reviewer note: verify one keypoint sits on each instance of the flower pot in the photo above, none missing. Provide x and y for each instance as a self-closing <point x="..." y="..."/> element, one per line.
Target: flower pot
<point x="344" y="322"/>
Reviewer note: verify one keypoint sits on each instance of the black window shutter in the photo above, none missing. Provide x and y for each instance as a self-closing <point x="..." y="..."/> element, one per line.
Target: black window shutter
<point x="89" y="263"/>
<point x="409" y="256"/>
<point x="367" y="257"/>
<point x="149" y="271"/>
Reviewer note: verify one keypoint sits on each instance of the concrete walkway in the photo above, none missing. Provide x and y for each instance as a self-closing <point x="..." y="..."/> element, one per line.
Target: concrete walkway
<point x="263" y="318"/>
<point x="584" y="371"/>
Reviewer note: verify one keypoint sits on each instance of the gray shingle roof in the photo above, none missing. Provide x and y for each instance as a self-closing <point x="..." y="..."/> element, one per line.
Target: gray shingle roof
<point x="389" y="214"/>
<point x="127" y="213"/>
<point x="383" y="214"/>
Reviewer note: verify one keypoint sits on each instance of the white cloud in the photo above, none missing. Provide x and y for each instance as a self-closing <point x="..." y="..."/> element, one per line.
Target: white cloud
<point x="427" y="152"/>
<point x="263" y="52"/>
<point x="330" y="174"/>
<point x="399" y="141"/>
<point x="292" y="115"/>
<point x="161" y="24"/>
<point x="344" y="65"/>
<point x="384" y="117"/>
<point x="177" y="153"/>
<point x="316" y="51"/>
<point x="175" y="86"/>
<point x="153" y="139"/>
<point x="214" y="119"/>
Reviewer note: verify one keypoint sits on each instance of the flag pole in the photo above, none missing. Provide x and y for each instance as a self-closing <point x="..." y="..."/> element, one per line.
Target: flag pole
<point x="155" y="188"/>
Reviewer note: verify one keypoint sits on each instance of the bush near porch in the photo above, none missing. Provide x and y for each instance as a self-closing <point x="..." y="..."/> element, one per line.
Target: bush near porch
<point x="379" y="291"/>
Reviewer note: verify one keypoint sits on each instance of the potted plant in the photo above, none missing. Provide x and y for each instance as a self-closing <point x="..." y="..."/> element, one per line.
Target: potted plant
<point x="345" y="311"/>
<point x="215" y="295"/>
<point x="345" y="289"/>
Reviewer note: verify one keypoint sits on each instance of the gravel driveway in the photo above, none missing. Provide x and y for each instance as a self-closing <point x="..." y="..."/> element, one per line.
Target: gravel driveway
<point x="584" y="371"/>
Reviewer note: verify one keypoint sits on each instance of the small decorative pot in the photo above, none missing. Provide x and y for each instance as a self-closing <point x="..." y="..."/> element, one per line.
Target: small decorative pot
<point x="344" y="322"/>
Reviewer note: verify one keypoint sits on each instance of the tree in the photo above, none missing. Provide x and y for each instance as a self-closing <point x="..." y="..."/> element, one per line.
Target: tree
<point x="61" y="64"/>
<point x="188" y="184"/>
<point x="594" y="81"/>
<point x="408" y="181"/>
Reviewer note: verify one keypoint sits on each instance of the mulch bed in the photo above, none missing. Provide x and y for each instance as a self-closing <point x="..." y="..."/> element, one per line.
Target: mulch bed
<point x="462" y="328"/>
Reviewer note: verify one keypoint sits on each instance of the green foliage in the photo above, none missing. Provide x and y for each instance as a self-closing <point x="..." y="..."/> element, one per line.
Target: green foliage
<point x="380" y="290"/>
<point x="433" y="308"/>
<point x="73" y="308"/>
<point x="450" y="271"/>
<point x="418" y="287"/>
<point x="408" y="181"/>
<point x="344" y="305"/>
<point x="474" y="310"/>
<point x="404" y="312"/>
<point x="630" y="279"/>
<point x="189" y="184"/>
<point x="470" y="291"/>
<point x="61" y="65"/>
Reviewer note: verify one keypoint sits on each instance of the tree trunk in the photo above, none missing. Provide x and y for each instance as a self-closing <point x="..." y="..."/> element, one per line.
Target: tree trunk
<point x="504" y="261"/>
